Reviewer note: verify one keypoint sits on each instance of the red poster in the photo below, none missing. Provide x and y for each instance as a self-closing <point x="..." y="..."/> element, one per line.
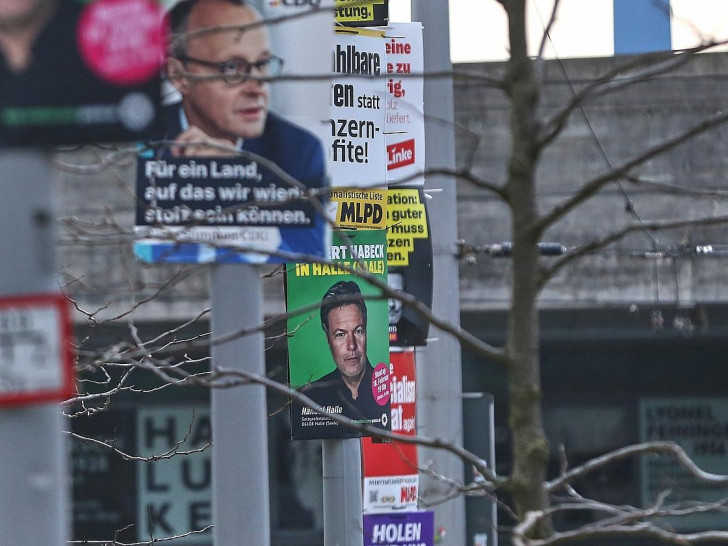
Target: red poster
<point x="390" y="469"/>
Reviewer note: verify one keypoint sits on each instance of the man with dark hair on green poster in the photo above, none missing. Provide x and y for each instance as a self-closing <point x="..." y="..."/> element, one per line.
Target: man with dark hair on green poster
<point x="348" y="390"/>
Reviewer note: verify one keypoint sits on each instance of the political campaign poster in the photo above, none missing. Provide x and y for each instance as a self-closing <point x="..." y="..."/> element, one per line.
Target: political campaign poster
<point x="356" y="141"/>
<point x="239" y="172"/>
<point x="404" y="69"/>
<point x="409" y="257"/>
<point x="362" y="13"/>
<point x="338" y="347"/>
<point x="405" y="119"/>
<point x="358" y="208"/>
<point x="406" y="529"/>
<point x="390" y="469"/>
<point x="75" y="72"/>
<point x="700" y="427"/>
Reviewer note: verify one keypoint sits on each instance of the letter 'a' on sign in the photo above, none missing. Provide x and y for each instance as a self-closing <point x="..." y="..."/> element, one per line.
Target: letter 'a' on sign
<point x="36" y="360"/>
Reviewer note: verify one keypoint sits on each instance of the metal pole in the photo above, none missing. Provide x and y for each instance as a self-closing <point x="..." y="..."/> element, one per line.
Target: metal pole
<point x="342" y="492"/>
<point x="439" y="374"/>
<point x="240" y="500"/>
<point x="34" y="497"/>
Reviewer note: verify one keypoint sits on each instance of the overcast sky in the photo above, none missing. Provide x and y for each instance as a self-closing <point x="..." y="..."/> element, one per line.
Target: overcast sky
<point x="584" y="27"/>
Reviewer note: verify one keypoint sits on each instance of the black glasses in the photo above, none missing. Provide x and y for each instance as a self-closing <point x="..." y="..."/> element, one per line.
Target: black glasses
<point x="240" y="70"/>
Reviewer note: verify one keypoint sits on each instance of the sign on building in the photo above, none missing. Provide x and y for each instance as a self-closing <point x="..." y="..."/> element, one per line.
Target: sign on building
<point x="173" y="492"/>
<point x="700" y="427"/>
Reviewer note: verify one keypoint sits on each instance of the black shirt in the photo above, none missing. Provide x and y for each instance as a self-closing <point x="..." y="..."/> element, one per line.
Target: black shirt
<point x="332" y="394"/>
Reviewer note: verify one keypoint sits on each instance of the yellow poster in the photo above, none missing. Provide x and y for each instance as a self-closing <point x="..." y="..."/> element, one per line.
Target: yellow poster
<point x="357" y="208"/>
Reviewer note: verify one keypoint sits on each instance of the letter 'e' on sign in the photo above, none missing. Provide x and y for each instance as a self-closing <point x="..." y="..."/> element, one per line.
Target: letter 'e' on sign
<point x="36" y="360"/>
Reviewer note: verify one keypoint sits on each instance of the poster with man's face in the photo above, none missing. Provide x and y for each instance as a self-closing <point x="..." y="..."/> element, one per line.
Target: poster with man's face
<point x="239" y="171"/>
<point x="338" y="346"/>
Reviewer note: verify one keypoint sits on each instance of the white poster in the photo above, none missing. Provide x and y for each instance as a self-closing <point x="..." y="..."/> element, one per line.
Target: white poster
<point x="356" y="140"/>
<point x="405" y="122"/>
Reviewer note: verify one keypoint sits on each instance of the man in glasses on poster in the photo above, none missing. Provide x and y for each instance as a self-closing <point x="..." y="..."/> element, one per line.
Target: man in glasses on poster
<point x="218" y="171"/>
<point x="222" y="65"/>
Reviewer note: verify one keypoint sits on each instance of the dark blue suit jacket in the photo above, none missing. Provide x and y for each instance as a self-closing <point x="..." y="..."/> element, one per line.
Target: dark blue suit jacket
<point x="295" y="150"/>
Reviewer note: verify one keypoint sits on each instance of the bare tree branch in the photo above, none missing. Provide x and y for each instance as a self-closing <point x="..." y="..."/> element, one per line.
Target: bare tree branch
<point x="170" y="453"/>
<point x="149" y="542"/>
<point x="670" y="448"/>
<point x="590" y="188"/>
<point x="548" y="273"/>
<point x="646" y="67"/>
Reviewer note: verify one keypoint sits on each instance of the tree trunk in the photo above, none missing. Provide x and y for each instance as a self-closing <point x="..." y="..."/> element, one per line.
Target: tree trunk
<point x="530" y="448"/>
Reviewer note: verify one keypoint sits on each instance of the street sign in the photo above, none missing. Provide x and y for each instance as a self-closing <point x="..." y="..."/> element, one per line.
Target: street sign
<point x="35" y="352"/>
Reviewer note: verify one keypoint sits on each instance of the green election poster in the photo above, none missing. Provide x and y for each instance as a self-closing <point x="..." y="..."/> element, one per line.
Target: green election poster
<point x="338" y="345"/>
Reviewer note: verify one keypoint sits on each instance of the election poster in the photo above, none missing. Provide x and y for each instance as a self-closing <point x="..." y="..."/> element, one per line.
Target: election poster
<point x="405" y="119"/>
<point x="239" y="172"/>
<point x="406" y="529"/>
<point x="75" y="72"/>
<point x="356" y="141"/>
<point x="390" y="469"/>
<point x="700" y="427"/>
<point x="358" y="208"/>
<point x="337" y="338"/>
<point x="409" y="257"/>
<point x="362" y="13"/>
<point x="404" y="68"/>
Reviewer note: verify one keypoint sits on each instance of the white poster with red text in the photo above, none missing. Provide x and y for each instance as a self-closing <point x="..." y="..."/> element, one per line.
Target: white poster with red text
<point x="391" y="480"/>
<point x="405" y="122"/>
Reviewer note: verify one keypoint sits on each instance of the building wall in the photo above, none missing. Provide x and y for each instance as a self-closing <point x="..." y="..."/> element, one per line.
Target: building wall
<point x="607" y="132"/>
